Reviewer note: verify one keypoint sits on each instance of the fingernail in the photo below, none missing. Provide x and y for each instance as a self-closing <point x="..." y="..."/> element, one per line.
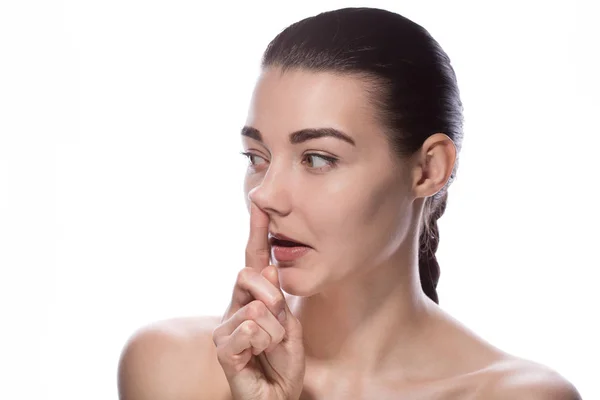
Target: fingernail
<point x="281" y="316"/>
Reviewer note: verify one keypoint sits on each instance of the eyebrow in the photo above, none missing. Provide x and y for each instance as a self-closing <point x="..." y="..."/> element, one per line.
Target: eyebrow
<point x="302" y="135"/>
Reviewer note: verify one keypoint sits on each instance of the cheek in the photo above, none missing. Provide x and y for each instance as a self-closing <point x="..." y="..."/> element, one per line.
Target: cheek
<point x="340" y="212"/>
<point x="364" y="218"/>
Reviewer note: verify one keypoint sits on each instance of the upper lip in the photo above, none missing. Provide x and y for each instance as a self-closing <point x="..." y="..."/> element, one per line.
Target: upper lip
<point x="281" y="236"/>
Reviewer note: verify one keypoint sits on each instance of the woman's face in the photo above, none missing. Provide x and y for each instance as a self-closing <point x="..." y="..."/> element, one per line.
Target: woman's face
<point x="355" y="212"/>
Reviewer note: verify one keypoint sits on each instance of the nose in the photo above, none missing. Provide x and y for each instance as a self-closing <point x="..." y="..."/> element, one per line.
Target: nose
<point x="271" y="193"/>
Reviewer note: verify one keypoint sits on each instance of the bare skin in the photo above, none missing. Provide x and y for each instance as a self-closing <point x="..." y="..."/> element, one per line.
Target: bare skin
<point x="369" y="330"/>
<point x="176" y="359"/>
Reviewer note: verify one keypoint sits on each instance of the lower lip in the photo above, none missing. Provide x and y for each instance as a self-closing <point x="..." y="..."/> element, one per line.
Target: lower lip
<point x="289" y="253"/>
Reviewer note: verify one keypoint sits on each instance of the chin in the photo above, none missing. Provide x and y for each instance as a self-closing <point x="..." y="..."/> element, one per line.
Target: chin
<point x="296" y="281"/>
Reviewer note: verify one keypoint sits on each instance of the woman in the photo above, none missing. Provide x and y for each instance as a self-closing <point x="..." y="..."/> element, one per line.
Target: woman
<point x="352" y="136"/>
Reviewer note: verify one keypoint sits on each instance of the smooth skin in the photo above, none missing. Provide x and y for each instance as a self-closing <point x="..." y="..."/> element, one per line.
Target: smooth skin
<point x="368" y="331"/>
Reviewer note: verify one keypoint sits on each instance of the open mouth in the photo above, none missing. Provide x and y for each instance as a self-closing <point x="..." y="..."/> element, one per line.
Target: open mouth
<point x="286" y="251"/>
<point x="286" y="243"/>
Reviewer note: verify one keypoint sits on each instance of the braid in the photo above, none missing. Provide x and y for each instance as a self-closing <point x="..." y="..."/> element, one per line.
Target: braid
<point x="429" y="269"/>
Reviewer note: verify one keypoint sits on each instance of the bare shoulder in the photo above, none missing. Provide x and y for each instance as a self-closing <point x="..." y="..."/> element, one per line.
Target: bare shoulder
<point x="172" y="359"/>
<point x="498" y="375"/>
<point x="524" y="379"/>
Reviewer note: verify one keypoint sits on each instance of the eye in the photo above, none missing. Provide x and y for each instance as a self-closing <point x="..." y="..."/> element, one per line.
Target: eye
<point x="251" y="157"/>
<point x="328" y="161"/>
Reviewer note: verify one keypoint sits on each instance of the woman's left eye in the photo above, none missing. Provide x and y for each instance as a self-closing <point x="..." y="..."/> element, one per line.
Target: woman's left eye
<point x="329" y="161"/>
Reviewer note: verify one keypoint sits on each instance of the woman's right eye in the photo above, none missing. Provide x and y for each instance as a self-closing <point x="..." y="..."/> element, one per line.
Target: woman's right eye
<point x="250" y="157"/>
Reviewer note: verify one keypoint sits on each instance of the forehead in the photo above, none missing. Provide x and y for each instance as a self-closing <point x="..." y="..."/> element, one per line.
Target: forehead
<point x="299" y="99"/>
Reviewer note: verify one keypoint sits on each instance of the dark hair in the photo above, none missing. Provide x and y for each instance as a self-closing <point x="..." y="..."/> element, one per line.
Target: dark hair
<point x="411" y="81"/>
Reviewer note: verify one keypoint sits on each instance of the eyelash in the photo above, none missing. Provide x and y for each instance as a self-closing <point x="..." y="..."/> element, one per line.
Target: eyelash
<point x="332" y="161"/>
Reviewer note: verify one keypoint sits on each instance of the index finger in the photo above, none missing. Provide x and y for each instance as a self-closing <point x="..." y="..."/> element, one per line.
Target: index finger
<point x="258" y="250"/>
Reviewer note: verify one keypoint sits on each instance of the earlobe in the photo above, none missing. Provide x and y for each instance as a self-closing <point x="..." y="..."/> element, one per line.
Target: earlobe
<point x="434" y="165"/>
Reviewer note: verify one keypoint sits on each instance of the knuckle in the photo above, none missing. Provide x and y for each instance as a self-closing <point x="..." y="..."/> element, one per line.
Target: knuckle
<point x="264" y="343"/>
<point x="245" y="274"/>
<point x="255" y="309"/>
<point x="261" y="341"/>
<point x="249" y="328"/>
<point x="241" y="274"/>
<point x="217" y="335"/>
<point x="262" y="253"/>
<point x="278" y="302"/>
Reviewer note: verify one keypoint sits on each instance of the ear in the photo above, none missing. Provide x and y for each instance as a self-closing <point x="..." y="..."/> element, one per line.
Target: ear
<point x="433" y="165"/>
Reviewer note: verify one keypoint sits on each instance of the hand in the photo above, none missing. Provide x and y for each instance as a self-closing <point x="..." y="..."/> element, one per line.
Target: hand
<point x="262" y="357"/>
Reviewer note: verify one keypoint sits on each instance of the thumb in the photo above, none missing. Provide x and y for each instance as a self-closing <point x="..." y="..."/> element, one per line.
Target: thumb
<point x="272" y="274"/>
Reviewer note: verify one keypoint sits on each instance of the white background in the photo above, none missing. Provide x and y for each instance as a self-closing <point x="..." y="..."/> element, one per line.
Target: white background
<point x="121" y="199"/>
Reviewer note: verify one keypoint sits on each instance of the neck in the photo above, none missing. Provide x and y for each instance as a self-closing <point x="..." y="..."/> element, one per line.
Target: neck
<point x="366" y="322"/>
